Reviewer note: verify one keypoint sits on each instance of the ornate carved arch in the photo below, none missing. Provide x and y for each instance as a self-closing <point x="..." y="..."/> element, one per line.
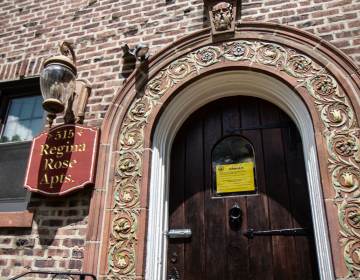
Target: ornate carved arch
<point x="326" y="80"/>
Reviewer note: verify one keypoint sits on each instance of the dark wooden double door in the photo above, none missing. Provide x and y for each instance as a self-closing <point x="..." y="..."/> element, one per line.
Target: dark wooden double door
<point x="217" y="250"/>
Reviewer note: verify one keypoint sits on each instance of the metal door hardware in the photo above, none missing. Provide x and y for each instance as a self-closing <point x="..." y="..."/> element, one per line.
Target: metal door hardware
<point x="235" y="213"/>
<point x="250" y="233"/>
<point x="235" y="217"/>
<point x="179" y="233"/>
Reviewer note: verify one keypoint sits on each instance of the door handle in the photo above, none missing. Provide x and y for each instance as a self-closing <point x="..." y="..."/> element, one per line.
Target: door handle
<point x="250" y="233"/>
<point x="179" y="233"/>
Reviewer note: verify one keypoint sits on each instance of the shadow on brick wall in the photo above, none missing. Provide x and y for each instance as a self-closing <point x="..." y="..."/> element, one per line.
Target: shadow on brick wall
<point x="55" y="241"/>
<point x="56" y="219"/>
<point x="141" y="78"/>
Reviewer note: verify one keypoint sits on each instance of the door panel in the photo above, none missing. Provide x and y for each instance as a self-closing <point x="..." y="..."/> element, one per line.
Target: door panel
<point x="261" y="266"/>
<point x="176" y="207"/>
<point x="236" y="248"/>
<point x="217" y="250"/>
<point x="214" y="221"/>
<point x="194" y="203"/>
<point x="277" y="192"/>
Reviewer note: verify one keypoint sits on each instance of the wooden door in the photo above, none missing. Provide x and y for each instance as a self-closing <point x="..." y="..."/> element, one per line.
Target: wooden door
<point x="216" y="250"/>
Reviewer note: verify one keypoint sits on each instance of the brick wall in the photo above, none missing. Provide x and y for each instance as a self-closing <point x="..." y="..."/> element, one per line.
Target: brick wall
<point x="30" y="31"/>
<point x="54" y="242"/>
<point x="336" y="21"/>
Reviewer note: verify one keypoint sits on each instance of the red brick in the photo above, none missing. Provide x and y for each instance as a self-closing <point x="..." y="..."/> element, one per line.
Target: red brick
<point x="44" y="263"/>
<point x="325" y="13"/>
<point x="330" y="28"/>
<point x="73" y="242"/>
<point x="58" y="253"/>
<point x="343" y="17"/>
<point x="355" y="23"/>
<point x="75" y="264"/>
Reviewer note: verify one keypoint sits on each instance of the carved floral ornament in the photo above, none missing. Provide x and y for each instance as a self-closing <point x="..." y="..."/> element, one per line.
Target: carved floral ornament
<point x="339" y="125"/>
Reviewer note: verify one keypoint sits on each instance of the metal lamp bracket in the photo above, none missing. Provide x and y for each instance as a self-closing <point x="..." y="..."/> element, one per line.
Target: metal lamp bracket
<point x="76" y="107"/>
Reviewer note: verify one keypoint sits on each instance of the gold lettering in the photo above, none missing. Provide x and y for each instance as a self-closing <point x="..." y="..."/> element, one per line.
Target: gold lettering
<point x="62" y="178"/>
<point x="82" y="147"/>
<point x="54" y="180"/>
<point x="48" y="164"/>
<point x="64" y="134"/>
<point x="72" y="163"/>
<point x="65" y="163"/>
<point x="58" y="135"/>
<point x="71" y="134"/>
<point x="68" y="179"/>
<point x="44" y="180"/>
<point x="74" y="148"/>
<point x="59" y="151"/>
<point x="58" y="164"/>
<point x="44" y="149"/>
<point x="53" y="150"/>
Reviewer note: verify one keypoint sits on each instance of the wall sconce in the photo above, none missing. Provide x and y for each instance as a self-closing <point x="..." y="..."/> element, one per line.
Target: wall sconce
<point x="60" y="89"/>
<point x="140" y="52"/>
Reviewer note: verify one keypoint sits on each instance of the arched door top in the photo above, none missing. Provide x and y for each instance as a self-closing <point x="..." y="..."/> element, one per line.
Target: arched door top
<point x="326" y="80"/>
<point x="191" y="98"/>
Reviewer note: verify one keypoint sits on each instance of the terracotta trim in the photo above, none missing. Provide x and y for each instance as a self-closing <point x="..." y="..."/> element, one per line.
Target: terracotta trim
<point x="19" y="219"/>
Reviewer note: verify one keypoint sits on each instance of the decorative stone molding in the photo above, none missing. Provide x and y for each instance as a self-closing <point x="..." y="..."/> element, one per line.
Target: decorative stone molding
<point x="339" y="129"/>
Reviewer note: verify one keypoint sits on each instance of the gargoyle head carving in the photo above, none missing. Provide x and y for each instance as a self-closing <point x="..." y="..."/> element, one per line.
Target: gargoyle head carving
<point x="222" y="16"/>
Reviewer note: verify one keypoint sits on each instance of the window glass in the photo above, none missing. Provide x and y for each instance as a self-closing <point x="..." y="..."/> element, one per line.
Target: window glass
<point x="233" y="167"/>
<point x="13" y="162"/>
<point x="24" y="119"/>
<point x="38" y="110"/>
<point x="21" y="119"/>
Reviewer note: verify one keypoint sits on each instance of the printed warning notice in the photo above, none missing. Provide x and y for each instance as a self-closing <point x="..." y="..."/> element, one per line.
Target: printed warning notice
<point x="238" y="177"/>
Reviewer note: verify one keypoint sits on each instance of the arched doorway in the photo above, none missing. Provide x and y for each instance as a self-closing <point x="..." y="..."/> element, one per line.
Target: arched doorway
<point x="238" y="183"/>
<point x="210" y="88"/>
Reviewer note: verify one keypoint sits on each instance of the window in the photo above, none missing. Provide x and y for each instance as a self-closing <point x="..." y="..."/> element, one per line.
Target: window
<point x="21" y="119"/>
<point x="233" y="167"/>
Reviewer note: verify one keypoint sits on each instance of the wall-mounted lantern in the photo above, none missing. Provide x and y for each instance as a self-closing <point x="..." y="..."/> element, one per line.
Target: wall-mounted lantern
<point x="70" y="148"/>
<point x="59" y="86"/>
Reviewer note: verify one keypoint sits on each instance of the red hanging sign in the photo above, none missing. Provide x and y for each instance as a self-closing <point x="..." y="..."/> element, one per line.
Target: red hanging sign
<point x="62" y="160"/>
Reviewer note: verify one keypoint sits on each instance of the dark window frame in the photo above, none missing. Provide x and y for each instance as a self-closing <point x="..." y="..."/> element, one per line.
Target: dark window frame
<point x="10" y="90"/>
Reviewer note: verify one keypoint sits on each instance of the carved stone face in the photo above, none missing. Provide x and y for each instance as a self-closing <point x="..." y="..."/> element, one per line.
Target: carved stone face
<point x="222" y="16"/>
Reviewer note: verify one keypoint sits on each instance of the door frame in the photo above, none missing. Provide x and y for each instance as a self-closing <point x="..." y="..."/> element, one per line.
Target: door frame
<point x="210" y="88"/>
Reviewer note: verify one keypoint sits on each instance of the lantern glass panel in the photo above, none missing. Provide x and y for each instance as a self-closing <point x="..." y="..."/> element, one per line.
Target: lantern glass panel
<point x="57" y="82"/>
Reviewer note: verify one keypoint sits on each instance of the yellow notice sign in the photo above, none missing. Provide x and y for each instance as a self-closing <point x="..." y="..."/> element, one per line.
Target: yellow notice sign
<point x="238" y="177"/>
